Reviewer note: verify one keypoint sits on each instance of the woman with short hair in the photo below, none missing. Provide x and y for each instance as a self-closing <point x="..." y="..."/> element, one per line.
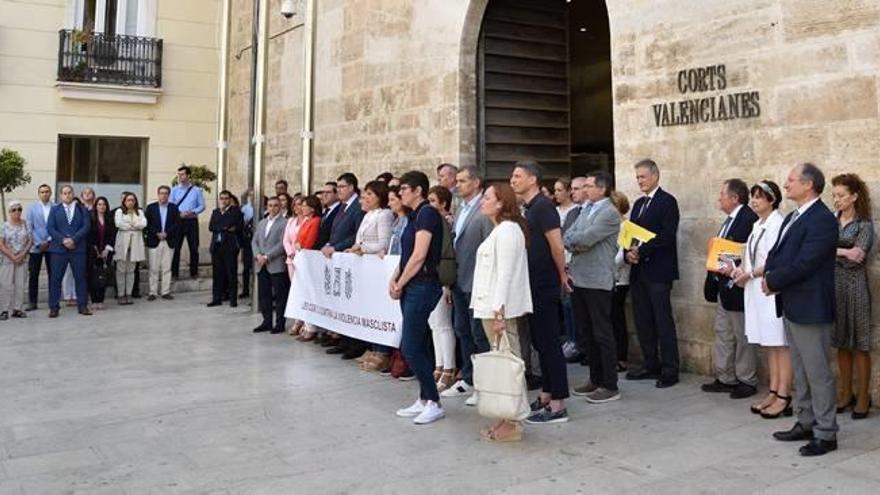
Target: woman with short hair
<point x="130" y="223"/>
<point x="15" y="242"/>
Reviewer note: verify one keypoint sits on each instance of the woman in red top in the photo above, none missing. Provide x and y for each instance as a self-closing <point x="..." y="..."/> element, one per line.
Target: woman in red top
<point x="306" y="237"/>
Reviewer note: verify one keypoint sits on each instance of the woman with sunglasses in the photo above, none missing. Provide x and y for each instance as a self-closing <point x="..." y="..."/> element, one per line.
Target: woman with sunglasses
<point x="15" y="241"/>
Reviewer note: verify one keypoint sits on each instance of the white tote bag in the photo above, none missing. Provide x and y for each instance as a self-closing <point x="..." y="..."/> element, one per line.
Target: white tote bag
<point x="500" y="381"/>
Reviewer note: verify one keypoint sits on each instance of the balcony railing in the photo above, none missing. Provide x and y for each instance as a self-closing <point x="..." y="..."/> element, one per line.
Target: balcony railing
<point x="109" y="59"/>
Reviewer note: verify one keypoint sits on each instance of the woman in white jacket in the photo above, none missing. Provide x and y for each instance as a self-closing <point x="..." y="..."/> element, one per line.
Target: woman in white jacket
<point x="501" y="291"/>
<point x="130" y="223"/>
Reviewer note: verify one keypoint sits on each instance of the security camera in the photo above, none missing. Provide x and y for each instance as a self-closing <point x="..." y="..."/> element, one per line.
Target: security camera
<point x="288" y="8"/>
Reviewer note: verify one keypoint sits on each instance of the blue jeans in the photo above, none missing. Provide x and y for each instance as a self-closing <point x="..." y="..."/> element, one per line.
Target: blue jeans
<point x="469" y="331"/>
<point x="416" y="303"/>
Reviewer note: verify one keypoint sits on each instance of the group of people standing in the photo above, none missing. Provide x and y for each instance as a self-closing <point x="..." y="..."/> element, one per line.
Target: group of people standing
<point x="83" y="240"/>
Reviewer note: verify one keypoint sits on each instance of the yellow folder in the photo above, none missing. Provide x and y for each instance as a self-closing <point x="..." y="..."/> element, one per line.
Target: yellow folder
<point x="722" y="251"/>
<point x="633" y="235"/>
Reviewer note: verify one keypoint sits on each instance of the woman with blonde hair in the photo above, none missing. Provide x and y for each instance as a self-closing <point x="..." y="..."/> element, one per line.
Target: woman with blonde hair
<point x="130" y="223"/>
<point x="501" y="291"/>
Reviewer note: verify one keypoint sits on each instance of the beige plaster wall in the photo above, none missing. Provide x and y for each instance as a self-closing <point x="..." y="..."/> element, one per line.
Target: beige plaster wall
<point x="181" y="127"/>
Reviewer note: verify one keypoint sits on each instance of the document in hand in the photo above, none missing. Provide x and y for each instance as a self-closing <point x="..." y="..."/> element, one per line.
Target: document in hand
<point x="722" y="251"/>
<point x="632" y="235"/>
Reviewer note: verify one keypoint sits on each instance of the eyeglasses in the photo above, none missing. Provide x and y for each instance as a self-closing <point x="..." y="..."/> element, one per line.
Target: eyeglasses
<point x="13" y="210"/>
<point x="404" y="188"/>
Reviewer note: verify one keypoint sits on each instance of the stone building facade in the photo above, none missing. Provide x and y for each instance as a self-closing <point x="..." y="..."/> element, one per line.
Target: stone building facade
<point x="396" y="89"/>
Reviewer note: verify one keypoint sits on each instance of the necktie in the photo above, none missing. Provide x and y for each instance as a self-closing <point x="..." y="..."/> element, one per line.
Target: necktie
<point x="723" y="232"/>
<point x="586" y="209"/>
<point x="644" y="206"/>
<point x="69" y="209"/>
<point x="794" y="216"/>
<point x="339" y="215"/>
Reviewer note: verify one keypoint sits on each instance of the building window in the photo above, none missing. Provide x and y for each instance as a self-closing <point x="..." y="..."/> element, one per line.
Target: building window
<point x="112" y="17"/>
<point x="110" y="165"/>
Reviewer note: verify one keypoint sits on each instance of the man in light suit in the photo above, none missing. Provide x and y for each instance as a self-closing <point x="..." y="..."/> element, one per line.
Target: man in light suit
<point x="68" y="227"/>
<point x="592" y="240"/>
<point x="470" y="229"/>
<point x="269" y="258"/>
<point x="735" y="360"/>
<point x="654" y="269"/>
<point x="800" y="271"/>
<point x="37" y="218"/>
<point x="342" y="234"/>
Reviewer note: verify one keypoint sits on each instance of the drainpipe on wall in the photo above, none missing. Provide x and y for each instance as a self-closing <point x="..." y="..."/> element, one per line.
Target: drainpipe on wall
<point x="222" y="108"/>
<point x="307" y="134"/>
<point x="258" y="136"/>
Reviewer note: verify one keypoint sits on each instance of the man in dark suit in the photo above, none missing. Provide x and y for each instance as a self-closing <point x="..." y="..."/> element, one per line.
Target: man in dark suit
<point x="163" y="225"/>
<point x="582" y="331"/>
<point x="735" y="360"/>
<point x="330" y="203"/>
<point x="342" y="233"/>
<point x="654" y="268"/>
<point x="68" y="228"/>
<point x="225" y="226"/>
<point x="470" y="228"/>
<point x="800" y="271"/>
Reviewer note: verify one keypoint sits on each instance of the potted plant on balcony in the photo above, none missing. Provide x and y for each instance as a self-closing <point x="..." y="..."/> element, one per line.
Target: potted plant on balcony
<point x="83" y="39"/>
<point x="201" y="176"/>
<point x="12" y="174"/>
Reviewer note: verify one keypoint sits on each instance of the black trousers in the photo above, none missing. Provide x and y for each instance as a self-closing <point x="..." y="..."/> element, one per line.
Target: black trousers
<point x="34" y="262"/>
<point x="545" y="329"/>
<point x="655" y="327"/>
<point x="273" y="289"/>
<point x="189" y="230"/>
<point x="247" y="268"/>
<point x="594" y="306"/>
<point x="224" y="270"/>
<point x="618" y="321"/>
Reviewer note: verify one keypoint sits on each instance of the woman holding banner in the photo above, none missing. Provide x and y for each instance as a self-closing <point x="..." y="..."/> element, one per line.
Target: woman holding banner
<point x="306" y="238"/>
<point x="501" y="292"/>
<point x="416" y="284"/>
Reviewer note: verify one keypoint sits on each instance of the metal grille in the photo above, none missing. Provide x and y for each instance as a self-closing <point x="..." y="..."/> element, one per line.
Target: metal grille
<point x="109" y="59"/>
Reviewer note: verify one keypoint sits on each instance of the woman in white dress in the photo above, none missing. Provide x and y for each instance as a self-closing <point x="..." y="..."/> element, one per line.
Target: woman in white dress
<point x="763" y="327"/>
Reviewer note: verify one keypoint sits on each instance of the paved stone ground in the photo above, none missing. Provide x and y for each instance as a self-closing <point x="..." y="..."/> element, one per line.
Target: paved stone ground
<point x="175" y="397"/>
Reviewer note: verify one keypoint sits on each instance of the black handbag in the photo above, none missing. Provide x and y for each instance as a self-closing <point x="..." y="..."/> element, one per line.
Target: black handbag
<point x="100" y="274"/>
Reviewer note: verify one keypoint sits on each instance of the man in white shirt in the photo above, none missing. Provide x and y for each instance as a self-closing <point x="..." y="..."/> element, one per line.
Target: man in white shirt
<point x="269" y="259"/>
<point x="163" y="223"/>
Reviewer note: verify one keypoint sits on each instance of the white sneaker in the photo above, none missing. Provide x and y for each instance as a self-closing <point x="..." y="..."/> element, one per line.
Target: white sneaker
<point x="413" y="410"/>
<point x="472" y="400"/>
<point x="458" y="389"/>
<point x="431" y="412"/>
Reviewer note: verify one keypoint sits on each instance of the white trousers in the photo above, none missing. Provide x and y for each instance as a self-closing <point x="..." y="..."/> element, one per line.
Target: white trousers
<point x="159" y="259"/>
<point x="443" y="335"/>
<point x="12" y="286"/>
<point x="124" y="277"/>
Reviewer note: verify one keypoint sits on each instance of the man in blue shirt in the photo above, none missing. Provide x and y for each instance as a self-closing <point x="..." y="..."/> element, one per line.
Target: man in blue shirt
<point x="37" y="218"/>
<point x="190" y="203"/>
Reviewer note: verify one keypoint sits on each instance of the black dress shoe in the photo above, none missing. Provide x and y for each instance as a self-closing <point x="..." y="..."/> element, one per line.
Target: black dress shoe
<point x="30" y="307"/>
<point x="337" y="349"/>
<point x="855" y="414"/>
<point x="53" y="313"/>
<point x="168" y="297"/>
<point x="85" y="311"/>
<point x="576" y="358"/>
<point x="743" y="390"/>
<point x="214" y="303"/>
<point x="276" y="331"/>
<point x="666" y="381"/>
<point x="795" y="434"/>
<point x="329" y="342"/>
<point x="352" y="352"/>
<point x="642" y="374"/>
<point x="261" y="328"/>
<point x="717" y="387"/>
<point x="817" y="446"/>
<point x="233" y="304"/>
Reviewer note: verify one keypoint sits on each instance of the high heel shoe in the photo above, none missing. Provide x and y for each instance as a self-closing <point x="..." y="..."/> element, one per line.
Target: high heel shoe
<point x="785" y="411"/>
<point x="861" y="415"/>
<point x="757" y="408"/>
<point x="851" y="403"/>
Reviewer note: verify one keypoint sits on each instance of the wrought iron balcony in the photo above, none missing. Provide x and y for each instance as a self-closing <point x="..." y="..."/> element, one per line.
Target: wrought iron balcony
<point x="96" y="58"/>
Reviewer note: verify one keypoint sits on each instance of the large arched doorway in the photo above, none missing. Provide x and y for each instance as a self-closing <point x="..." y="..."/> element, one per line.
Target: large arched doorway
<point x="544" y="87"/>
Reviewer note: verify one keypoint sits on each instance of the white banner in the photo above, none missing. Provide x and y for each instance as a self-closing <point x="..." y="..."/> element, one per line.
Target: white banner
<point x="347" y="294"/>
